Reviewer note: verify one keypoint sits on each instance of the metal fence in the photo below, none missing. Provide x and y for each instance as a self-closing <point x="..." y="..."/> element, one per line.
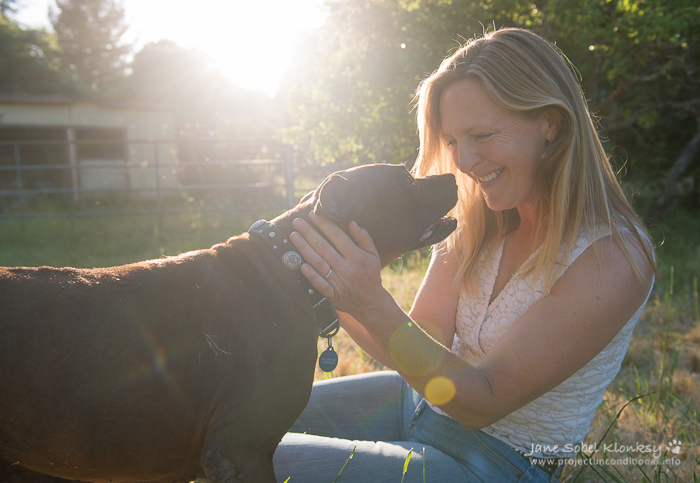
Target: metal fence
<point x="70" y="178"/>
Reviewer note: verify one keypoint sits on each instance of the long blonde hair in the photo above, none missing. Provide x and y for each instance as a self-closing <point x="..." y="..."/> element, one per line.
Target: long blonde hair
<point x="578" y="189"/>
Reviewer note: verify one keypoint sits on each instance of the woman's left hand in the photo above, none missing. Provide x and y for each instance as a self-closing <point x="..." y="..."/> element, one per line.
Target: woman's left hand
<point x="346" y="272"/>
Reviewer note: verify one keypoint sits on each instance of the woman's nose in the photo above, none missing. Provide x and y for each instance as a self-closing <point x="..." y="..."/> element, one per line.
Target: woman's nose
<point x="467" y="159"/>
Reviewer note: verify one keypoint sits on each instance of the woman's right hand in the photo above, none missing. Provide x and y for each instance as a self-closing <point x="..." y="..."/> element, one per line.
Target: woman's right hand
<point x="345" y="270"/>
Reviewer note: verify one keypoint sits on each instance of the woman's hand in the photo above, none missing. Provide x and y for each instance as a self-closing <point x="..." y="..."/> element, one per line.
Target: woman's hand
<point x="344" y="271"/>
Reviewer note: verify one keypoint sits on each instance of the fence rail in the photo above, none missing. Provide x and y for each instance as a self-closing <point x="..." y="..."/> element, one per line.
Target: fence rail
<point x="50" y="178"/>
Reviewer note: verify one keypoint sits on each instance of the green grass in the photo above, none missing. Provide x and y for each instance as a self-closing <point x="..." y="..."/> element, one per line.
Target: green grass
<point x="107" y="241"/>
<point x="662" y="364"/>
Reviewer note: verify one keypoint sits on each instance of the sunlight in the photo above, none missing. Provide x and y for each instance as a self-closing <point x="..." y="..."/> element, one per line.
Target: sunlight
<point x="250" y="42"/>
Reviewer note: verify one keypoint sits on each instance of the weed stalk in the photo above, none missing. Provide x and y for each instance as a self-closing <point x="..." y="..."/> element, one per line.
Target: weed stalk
<point x="695" y="299"/>
<point x="668" y="303"/>
<point x="346" y="463"/>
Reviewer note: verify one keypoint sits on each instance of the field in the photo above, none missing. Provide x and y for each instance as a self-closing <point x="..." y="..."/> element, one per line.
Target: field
<point x="651" y="409"/>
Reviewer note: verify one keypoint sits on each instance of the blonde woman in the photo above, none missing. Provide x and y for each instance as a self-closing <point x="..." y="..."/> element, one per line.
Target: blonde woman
<point x="526" y="311"/>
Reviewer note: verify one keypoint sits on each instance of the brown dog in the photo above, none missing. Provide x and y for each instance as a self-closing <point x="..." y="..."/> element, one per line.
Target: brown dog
<point x="184" y="367"/>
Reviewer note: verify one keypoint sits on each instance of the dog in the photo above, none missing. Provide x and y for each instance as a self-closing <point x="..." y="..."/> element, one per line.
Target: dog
<point x="191" y="366"/>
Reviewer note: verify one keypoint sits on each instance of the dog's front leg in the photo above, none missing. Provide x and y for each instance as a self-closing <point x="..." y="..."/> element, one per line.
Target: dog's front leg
<point x="224" y="462"/>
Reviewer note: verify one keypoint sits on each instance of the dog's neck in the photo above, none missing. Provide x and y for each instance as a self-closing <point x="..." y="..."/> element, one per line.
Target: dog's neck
<point x="275" y="236"/>
<point x="284" y="221"/>
<point x="302" y="210"/>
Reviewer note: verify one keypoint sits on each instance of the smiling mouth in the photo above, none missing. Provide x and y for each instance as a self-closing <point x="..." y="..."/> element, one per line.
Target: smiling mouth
<point x="491" y="176"/>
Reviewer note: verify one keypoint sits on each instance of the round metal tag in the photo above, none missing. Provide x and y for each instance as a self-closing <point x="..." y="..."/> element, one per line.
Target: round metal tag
<point x="328" y="360"/>
<point x="292" y="260"/>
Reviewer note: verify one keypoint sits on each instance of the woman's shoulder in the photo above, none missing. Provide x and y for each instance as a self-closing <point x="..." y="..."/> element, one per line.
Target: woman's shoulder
<point x="634" y="242"/>
<point x="616" y="251"/>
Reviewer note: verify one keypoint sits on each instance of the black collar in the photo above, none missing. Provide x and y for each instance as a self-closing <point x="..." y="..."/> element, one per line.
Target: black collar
<point x="279" y="244"/>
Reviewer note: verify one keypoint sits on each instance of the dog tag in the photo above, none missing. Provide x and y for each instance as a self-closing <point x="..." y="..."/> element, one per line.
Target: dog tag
<point x="328" y="359"/>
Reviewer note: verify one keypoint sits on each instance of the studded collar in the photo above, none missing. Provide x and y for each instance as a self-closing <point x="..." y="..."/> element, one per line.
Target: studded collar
<point x="279" y="244"/>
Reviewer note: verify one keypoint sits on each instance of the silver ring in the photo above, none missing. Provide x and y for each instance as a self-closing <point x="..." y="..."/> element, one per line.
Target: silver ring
<point x="328" y="274"/>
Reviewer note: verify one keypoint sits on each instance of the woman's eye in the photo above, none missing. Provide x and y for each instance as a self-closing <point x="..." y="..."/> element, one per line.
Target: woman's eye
<point x="451" y="144"/>
<point x="483" y="137"/>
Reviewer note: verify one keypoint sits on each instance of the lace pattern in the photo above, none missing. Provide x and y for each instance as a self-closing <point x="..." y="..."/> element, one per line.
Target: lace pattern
<point x="563" y="415"/>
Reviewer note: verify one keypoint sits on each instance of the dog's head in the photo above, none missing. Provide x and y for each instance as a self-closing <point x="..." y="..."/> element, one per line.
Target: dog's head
<point x="400" y="212"/>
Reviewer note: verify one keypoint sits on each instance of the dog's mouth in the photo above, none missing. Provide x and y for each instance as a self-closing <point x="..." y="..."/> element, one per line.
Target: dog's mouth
<point x="437" y="231"/>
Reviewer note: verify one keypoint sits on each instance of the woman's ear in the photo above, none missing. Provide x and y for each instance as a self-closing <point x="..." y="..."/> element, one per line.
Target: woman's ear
<point x="551" y="124"/>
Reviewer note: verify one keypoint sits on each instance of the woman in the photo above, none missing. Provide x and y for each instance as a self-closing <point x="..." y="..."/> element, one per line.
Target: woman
<point x="535" y="295"/>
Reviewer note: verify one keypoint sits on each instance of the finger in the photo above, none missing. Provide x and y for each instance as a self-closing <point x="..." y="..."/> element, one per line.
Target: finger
<point x="318" y="282"/>
<point x="340" y="240"/>
<point x="363" y="238"/>
<point x="312" y="247"/>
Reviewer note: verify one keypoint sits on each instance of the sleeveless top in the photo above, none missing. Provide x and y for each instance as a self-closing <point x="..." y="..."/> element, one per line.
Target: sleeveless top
<point x="561" y="418"/>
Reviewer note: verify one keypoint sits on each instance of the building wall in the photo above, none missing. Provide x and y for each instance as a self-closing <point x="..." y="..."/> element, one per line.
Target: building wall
<point x="140" y="124"/>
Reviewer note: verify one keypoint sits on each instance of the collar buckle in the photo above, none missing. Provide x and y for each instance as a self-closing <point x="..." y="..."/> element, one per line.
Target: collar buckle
<point x="325" y="311"/>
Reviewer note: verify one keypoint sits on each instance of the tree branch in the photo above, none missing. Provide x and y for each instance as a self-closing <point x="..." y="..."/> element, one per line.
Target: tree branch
<point x="668" y="196"/>
<point x="625" y="86"/>
<point x="692" y="106"/>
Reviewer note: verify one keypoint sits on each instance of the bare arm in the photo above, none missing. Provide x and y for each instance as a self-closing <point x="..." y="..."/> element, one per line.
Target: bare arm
<point x="434" y="308"/>
<point x="587" y="307"/>
<point x="360" y="335"/>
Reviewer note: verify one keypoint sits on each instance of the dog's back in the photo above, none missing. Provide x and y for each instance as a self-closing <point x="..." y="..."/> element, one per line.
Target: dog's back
<point x="188" y="366"/>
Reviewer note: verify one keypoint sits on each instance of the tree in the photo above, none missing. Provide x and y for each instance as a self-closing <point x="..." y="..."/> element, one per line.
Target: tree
<point x="89" y="32"/>
<point x="29" y="61"/>
<point x="8" y="6"/>
<point x="350" y="90"/>
<point x="204" y="101"/>
<point x="639" y="62"/>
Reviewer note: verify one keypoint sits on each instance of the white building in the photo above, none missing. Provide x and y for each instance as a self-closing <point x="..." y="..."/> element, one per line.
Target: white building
<point x="85" y="145"/>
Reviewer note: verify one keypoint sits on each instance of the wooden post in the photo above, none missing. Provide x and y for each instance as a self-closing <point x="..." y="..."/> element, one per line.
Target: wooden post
<point x="73" y="160"/>
<point x="156" y="161"/>
<point x="289" y="175"/>
<point x="18" y="181"/>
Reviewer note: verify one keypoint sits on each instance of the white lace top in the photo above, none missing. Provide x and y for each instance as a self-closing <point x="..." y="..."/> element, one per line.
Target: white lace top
<point x="563" y="415"/>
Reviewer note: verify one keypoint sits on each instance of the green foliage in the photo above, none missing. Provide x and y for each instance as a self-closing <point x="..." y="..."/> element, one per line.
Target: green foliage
<point x="86" y="58"/>
<point x="349" y="93"/>
<point x="638" y="60"/>
<point x="8" y="6"/>
<point x="204" y="102"/>
<point x="89" y="32"/>
<point x="29" y="61"/>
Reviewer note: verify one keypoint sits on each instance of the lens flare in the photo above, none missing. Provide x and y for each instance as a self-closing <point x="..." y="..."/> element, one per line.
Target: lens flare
<point x="440" y="390"/>
<point x="413" y="352"/>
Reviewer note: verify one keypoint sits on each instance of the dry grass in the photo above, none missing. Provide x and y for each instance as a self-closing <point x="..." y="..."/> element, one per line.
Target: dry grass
<point x="403" y="283"/>
<point x="671" y="412"/>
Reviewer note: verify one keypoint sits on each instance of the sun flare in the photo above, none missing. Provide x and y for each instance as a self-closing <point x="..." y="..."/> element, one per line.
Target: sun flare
<point x="251" y="43"/>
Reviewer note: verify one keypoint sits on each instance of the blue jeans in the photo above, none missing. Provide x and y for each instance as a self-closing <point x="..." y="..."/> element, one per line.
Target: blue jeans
<point x="386" y="419"/>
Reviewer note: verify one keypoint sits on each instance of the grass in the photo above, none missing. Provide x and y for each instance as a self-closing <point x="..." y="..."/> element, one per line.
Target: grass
<point x="654" y="400"/>
<point x="107" y="241"/>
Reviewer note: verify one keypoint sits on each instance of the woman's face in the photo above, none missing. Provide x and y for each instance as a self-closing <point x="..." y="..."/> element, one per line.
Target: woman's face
<point x="496" y="147"/>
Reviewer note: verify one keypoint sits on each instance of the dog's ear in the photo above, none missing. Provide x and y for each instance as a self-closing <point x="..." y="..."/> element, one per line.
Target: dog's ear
<point x="308" y="196"/>
<point x="339" y="198"/>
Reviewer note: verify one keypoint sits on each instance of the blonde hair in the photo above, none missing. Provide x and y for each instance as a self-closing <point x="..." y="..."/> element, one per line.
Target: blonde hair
<point x="578" y="189"/>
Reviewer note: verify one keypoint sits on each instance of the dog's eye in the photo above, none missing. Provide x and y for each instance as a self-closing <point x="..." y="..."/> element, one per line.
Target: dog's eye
<point x="410" y="180"/>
